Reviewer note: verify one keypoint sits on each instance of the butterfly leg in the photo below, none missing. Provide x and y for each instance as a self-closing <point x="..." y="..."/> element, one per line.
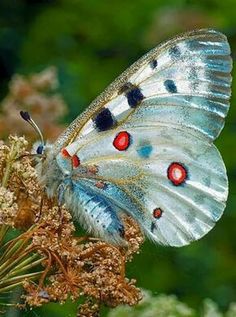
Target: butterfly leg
<point x="61" y="190"/>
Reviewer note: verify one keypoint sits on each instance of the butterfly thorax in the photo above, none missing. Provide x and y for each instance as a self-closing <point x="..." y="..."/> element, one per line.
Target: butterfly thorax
<point x="59" y="168"/>
<point x="49" y="173"/>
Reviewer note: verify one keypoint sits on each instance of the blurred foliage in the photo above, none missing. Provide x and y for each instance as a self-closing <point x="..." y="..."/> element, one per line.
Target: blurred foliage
<point x="169" y="306"/>
<point x="91" y="42"/>
<point x="37" y="94"/>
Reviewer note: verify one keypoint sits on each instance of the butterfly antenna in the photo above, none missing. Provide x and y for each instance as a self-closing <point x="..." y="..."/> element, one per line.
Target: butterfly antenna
<point x="25" y="115"/>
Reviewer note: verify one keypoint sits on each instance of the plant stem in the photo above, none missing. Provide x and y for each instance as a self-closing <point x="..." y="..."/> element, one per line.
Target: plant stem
<point x="3" y="232"/>
<point x="20" y="277"/>
<point x="12" y="286"/>
<point x="12" y="250"/>
<point x="25" y="263"/>
<point x="27" y="267"/>
<point x="6" y="176"/>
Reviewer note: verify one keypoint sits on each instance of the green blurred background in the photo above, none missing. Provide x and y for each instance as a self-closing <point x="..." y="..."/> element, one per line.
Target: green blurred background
<point x="93" y="41"/>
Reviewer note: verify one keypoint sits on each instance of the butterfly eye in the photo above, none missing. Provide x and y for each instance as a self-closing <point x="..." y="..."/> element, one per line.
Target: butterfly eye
<point x="40" y="149"/>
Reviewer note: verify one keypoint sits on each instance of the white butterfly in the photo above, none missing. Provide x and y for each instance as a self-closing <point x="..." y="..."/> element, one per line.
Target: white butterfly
<point x="145" y="148"/>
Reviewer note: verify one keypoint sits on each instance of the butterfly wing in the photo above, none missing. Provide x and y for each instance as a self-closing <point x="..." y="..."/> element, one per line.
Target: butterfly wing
<point x="199" y="60"/>
<point x="150" y="135"/>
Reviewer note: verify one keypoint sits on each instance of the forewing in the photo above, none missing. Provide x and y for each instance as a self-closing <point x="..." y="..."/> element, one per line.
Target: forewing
<point x="184" y="82"/>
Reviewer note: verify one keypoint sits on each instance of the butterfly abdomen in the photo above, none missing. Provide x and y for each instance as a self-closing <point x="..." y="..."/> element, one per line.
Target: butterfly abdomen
<point x="94" y="212"/>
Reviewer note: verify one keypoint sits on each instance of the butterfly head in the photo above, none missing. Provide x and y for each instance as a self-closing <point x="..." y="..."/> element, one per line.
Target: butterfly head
<point x="40" y="150"/>
<point x="46" y="167"/>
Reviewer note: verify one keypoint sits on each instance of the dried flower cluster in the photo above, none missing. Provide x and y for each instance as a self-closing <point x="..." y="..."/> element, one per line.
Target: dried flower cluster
<point x="48" y="259"/>
<point x="8" y="207"/>
<point x="36" y="94"/>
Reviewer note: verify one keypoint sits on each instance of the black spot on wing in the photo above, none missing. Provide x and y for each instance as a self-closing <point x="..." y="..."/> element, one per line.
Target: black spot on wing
<point x="170" y="86"/>
<point x="133" y="94"/>
<point x="134" y="97"/>
<point x="104" y="120"/>
<point x="153" y="64"/>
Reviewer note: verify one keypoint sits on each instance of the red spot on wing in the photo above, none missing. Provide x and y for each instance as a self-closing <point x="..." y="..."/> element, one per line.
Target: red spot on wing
<point x="122" y="141"/>
<point x="75" y="161"/>
<point x="177" y="173"/>
<point x="65" y="153"/>
<point x="157" y="213"/>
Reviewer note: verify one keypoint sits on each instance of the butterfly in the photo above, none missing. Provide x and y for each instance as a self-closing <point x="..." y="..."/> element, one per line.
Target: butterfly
<point x="145" y="148"/>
